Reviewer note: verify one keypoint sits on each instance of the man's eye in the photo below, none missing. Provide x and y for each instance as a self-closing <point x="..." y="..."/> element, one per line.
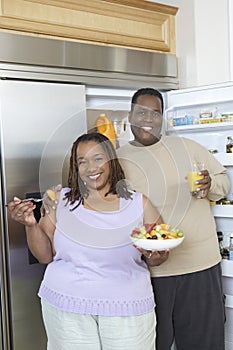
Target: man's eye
<point x="98" y="159"/>
<point x="156" y="115"/>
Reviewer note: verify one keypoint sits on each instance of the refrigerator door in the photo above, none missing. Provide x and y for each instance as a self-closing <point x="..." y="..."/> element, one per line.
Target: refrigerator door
<point x="185" y="109"/>
<point x="39" y="122"/>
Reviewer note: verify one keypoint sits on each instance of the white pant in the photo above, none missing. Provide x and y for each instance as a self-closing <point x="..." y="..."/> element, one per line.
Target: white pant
<point x="70" y="331"/>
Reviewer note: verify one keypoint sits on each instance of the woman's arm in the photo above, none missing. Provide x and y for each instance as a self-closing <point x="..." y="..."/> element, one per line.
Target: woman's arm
<point x="39" y="235"/>
<point x="40" y="239"/>
<point x="151" y="215"/>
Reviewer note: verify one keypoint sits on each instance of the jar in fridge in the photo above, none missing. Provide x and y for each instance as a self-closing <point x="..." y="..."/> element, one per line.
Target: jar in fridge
<point x="229" y="145"/>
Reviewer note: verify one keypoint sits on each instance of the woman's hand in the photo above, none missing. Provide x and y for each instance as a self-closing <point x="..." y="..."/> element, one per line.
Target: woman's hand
<point x="50" y="200"/>
<point x="154" y="257"/>
<point x="39" y="236"/>
<point x="22" y="212"/>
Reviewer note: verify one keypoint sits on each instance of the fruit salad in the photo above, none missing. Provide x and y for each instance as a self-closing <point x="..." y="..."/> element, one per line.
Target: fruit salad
<point x="160" y="231"/>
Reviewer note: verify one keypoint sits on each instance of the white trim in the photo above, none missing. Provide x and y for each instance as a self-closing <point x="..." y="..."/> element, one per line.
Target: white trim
<point x="229" y="301"/>
<point x="227" y="268"/>
<point x="230" y="12"/>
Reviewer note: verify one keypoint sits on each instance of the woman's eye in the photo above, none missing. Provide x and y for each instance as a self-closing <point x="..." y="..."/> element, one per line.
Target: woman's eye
<point x="82" y="162"/>
<point x="99" y="159"/>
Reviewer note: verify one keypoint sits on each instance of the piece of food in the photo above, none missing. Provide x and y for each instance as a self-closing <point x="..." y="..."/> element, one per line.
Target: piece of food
<point x="153" y="231"/>
<point x="51" y="194"/>
<point x="105" y="126"/>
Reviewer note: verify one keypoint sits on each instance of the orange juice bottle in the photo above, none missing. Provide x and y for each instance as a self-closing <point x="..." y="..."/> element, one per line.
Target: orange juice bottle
<point x="105" y="127"/>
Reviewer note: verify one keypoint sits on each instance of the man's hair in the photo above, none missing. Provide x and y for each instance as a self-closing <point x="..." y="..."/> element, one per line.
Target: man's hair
<point x="78" y="190"/>
<point x="146" y="91"/>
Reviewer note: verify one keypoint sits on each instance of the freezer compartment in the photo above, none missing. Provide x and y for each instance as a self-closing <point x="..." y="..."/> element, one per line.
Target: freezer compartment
<point x="39" y="123"/>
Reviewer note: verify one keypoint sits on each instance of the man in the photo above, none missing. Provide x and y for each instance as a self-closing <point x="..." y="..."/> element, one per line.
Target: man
<point x="187" y="287"/>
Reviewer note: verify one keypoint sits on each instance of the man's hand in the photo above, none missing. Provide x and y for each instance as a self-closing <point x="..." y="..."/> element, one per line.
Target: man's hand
<point x="205" y="183"/>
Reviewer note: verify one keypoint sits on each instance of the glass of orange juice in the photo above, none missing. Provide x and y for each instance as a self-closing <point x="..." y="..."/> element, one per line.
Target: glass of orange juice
<point x="194" y="176"/>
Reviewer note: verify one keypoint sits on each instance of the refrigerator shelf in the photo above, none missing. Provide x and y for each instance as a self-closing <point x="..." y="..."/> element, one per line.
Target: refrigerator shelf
<point x="210" y="102"/>
<point x="225" y="159"/>
<point x="201" y="127"/>
<point x="224" y="211"/>
<point x="227" y="268"/>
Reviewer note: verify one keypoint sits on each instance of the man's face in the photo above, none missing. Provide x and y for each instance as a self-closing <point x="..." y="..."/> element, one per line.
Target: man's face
<point x="146" y="120"/>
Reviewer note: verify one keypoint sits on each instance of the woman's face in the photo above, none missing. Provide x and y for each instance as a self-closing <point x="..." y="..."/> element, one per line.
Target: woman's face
<point x="93" y="165"/>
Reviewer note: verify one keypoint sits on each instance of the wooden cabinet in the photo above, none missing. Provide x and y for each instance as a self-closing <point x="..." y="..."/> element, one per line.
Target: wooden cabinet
<point x="134" y="23"/>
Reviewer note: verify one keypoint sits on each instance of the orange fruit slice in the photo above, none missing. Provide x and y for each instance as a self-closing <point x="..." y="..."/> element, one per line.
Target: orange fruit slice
<point x="51" y="194"/>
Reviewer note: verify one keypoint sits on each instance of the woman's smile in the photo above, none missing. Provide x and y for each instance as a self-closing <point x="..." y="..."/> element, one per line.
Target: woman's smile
<point x="94" y="177"/>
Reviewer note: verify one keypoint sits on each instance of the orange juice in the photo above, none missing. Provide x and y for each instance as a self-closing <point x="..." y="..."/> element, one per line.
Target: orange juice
<point x="193" y="176"/>
<point x="105" y="127"/>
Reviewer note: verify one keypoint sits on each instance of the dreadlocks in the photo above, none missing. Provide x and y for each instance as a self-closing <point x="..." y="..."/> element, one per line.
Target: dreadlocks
<point x="78" y="190"/>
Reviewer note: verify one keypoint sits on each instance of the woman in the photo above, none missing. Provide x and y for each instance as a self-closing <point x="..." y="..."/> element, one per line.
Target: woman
<point x="96" y="292"/>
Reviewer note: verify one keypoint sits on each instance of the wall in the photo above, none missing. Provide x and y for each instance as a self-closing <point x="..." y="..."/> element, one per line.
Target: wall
<point x="204" y="45"/>
<point x="212" y="41"/>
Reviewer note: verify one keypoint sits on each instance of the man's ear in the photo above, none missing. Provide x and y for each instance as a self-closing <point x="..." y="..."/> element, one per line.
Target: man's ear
<point x="129" y="116"/>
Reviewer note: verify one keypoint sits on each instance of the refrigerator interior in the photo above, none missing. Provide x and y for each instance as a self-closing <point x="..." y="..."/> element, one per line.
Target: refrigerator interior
<point x="213" y="136"/>
<point x="115" y="104"/>
<point x="39" y="122"/>
<point x="215" y="99"/>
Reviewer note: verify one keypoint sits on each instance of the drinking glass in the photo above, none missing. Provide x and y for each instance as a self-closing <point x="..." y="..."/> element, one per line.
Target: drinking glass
<point x="194" y="176"/>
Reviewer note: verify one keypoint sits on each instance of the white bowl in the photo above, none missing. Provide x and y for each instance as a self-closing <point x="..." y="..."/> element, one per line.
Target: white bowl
<point x="157" y="244"/>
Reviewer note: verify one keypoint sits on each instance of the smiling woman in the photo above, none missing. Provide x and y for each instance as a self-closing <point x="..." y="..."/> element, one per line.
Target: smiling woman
<point x="91" y="281"/>
<point x="95" y="173"/>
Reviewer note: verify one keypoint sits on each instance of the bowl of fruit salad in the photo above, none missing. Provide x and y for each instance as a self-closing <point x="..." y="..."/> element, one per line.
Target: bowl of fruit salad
<point x="158" y="237"/>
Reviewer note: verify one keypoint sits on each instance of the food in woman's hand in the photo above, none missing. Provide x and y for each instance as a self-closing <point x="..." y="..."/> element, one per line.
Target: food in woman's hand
<point x="51" y="194"/>
<point x="159" y="232"/>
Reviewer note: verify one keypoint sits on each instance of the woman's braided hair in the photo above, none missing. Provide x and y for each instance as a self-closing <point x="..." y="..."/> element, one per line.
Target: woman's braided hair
<point x="78" y="190"/>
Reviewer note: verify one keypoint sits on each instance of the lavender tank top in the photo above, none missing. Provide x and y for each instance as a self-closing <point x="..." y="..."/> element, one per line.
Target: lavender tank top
<point x="96" y="269"/>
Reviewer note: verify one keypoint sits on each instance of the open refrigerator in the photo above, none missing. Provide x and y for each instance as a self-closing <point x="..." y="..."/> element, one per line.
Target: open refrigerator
<point x="184" y="110"/>
<point x="205" y="114"/>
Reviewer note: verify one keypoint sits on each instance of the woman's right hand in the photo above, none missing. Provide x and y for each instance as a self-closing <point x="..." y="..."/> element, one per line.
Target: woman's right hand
<point x="22" y="212"/>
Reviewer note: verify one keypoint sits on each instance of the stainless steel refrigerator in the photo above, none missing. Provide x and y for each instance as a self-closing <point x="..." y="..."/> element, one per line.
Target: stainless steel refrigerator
<point x="39" y="122"/>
